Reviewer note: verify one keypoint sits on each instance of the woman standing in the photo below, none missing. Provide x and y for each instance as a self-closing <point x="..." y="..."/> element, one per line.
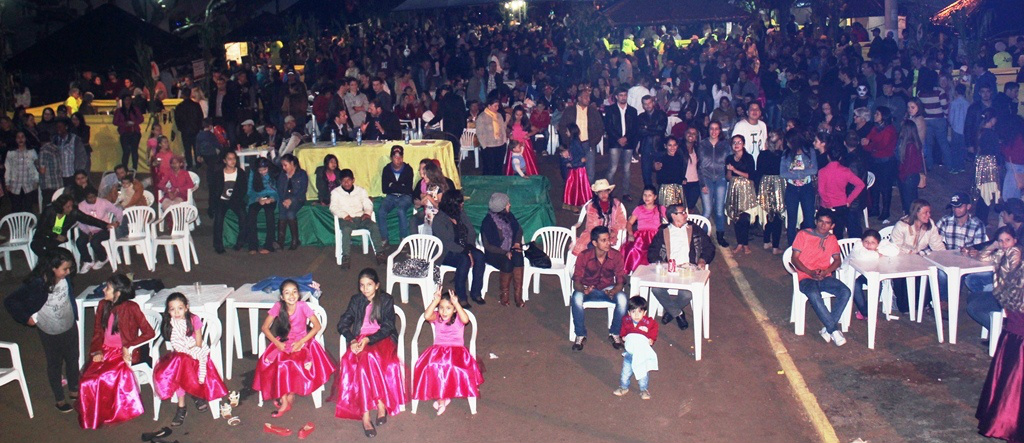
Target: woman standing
<point x="261" y="196"/>
<point x="84" y="132"/>
<point x="328" y="177"/>
<point x="127" y="118"/>
<point x="998" y="408"/>
<point x="741" y="198"/>
<point x="21" y="174"/>
<point x="799" y="166"/>
<point x="227" y="193"/>
<point x="503" y="246"/>
<point x="771" y="190"/>
<point x="291" y="185"/>
<point x="880" y="144"/>
<point x="712" y="154"/>
<point x="911" y="170"/>
<point x="671" y="167"/>
<point x="915" y="113"/>
<point x="490" y="130"/>
<point x="453" y="227"/>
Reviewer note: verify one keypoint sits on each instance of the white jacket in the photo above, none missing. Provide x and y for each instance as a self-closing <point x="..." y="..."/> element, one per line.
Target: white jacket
<point x="350" y="204"/>
<point x="912" y="242"/>
<point x="644" y="358"/>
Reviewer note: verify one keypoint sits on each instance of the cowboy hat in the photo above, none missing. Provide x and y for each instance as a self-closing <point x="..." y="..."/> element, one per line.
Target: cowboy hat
<point x="602" y="185"/>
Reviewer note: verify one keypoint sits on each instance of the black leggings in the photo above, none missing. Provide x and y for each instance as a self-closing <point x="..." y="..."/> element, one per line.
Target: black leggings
<point x="742" y="227"/>
<point x="250" y="218"/>
<point x="61" y="350"/>
<point x="130" y="148"/>
<point x="773" y="230"/>
<point x="692" y="193"/>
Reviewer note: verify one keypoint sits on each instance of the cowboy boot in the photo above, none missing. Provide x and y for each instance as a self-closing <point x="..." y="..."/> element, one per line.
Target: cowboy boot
<point x="294" y="228"/>
<point x="517" y="286"/>
<point x="506" y="281"/>
<point x="281" y="225"/>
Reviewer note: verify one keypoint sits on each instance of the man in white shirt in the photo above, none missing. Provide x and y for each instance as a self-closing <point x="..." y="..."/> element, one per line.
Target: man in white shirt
<point x="621" y="132"/>
<point x="637" y="93"/>
<point x="753" y="129"/>
<point x="352" y="206"/>
<point x="687" y="244"/>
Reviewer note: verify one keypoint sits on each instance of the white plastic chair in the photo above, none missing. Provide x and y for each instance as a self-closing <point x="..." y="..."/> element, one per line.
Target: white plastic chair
<point x="412" y="127"/>
<point x="468" y="146"/>
<point x="488" y="270"/>
<point x="993" y="337"/>
<point x="321" y="314"/>
<point x="190" y="199"/>
<point x="798" y="308"/>
<point x="886" y="232"/>
<point x="552" y="139"/>
<point x="868" y="185"/>
<point x="211" y="337"/>
<point x="703" y="222"/>
<point x="56" y="194"/>
<point x="144" y="370"/>
<point x="416" y="353"/>
<point x="21" y="226"/>
<point x="141" y="234"/>
<point x="363" y="234"/>
<point x="17" y="373"/>
<point x="182" y="216"/>
<point x="149" y="198"/>
<point x="557" y="242"/>
<point x="425" y="247"/>
<point x="610" y="306"/>
<point x="400" y="324"/>
<point x="72" y="245"/>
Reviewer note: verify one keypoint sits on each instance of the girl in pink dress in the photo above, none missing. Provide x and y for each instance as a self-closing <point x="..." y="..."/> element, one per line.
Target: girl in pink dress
<point x="648" y="217"/>
<point x="109" y="392"/>
<point x="371" y="375"/>
<point x="519" y="131"/>
<point x="295" y="363"/>
<point x="160" y="160"/>
<point x="187" y="368"/>
<point x="446" y="370"/>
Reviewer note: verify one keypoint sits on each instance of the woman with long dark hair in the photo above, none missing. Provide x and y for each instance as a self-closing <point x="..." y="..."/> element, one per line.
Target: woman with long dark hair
<point x="799" y="166"/>
<point x="261" y="195"/>
<point x="328" y="177"/>
<point x="128" y="119"/>
<point x="227" y="193"/>
<point x="458" y="246"/>
<point x="911" y="169"/>
<point x="291" y="186"/>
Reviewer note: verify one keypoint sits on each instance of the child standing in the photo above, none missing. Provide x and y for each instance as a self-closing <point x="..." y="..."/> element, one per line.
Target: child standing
<point x="577" y="185"/>
<point x="446" y="370"/>
<point x="295" y="363"/>
<point x="517" y="162"/>
<point x="639" y="332"/>
<point x="187" y="368"/>
<point x="109" y="390"/>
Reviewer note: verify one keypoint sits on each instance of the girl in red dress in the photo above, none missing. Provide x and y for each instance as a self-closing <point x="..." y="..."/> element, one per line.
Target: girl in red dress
<point x="446" y="370"/>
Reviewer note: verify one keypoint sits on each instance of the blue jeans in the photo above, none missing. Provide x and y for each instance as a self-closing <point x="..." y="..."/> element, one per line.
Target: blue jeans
<point x="576" y="304"/>
<point x="460" y="261"/>
<point x="1010" y="186"/>
<point x="715" y="199"/>
<point x="627" y="372"/>
<point x="958" y="152"/>
<point x="648" y="150"/>
<point x="935" y="135"/>
<point x="623" y="156"/>
<point x="813" y="288"/>
<point x="402" y="202"/>
<point x="980" y="305"/>
<point x="289" y="213"/>
<point x="980" y="282"/>
<point x="797" y="198"/>
<point x="908" y="191"/>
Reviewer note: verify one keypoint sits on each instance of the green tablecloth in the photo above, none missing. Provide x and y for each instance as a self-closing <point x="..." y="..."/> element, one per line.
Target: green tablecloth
<point x="528" y="196"/>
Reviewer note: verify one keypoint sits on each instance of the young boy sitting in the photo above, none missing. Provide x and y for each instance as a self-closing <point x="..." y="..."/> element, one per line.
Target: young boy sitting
<point x="638" y="333"/>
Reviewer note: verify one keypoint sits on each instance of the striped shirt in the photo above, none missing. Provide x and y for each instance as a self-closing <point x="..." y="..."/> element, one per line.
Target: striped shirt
<point x="21" y="174"/>
<point x="935" y="103"/>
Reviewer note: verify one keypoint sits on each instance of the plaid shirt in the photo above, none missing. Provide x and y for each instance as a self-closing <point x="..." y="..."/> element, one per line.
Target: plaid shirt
<point x="66" y="145"/>
<point x="956" y="236"/>
<point x="21" y="174"/>
<point x="49" y="158"/>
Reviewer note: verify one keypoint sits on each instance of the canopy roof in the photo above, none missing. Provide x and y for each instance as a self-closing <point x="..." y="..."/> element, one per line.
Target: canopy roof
<point x="672" y="12"/>
<point x="989" y="17"/>
<point x="410" y="5"/>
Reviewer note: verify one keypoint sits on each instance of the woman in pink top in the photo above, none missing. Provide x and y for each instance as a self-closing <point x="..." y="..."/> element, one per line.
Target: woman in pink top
<point x="446" y="370"/>
<point x="833" y="180"/>
<point x="371" y="374"/>
<point x="648" y="217"/>
<point x="518" y="130"/>
<point x="295" y="363"/>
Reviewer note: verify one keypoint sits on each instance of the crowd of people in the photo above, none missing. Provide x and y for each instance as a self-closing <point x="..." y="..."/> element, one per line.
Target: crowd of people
<point x="763" y="128"/>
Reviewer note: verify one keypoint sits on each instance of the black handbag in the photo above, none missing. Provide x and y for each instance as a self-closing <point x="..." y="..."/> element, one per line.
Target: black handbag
<point x="536" y="256"/>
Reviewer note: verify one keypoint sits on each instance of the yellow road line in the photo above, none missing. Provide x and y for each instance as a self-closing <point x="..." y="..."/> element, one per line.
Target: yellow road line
<point x="796" y="381"/>
<point x="318" y="260"/>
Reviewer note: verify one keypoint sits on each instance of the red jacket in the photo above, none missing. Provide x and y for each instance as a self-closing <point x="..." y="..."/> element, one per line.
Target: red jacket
<point x="882" y="143"/>
<point x="647" y="326"/>
<point x="131" y="324"/>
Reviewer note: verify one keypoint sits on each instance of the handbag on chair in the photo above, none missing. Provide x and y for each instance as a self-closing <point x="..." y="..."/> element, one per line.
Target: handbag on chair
<point x="536" y="256"/>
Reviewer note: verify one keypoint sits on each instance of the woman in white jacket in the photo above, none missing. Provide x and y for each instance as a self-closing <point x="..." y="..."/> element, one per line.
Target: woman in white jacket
<point x="914" y="234"/>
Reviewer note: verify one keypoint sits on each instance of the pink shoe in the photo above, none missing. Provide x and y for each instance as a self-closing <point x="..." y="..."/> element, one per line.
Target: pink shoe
<point x="859" y="316"/>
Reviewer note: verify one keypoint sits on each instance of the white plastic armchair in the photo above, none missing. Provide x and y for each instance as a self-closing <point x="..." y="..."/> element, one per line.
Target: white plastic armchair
<point x="211" y="338"/>
<point x="363" y="234"/>
<point x="144" y="370"/>
<point x="16" y="373"/>
<point x="557" y="242"/>
<point x="141" y="234"/>
<point x="21" y="226"/>
<point x="425" y="247"/>
<point x="798" y="307"/>
<point x="416" y="353"/>
<point x="181" y="215"/>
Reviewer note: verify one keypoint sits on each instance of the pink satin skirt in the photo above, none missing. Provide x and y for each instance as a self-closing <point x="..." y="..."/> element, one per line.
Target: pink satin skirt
<point x="372" y="375"/>
<point x="577" y="187"/>
<point x="177" y="370"/>
<point x="301" y="372"/>
<point x="109" y="392"/>
<point x="1000" y="411"/>
<point x="446" y="372"/>
<point x="636" y="251"/>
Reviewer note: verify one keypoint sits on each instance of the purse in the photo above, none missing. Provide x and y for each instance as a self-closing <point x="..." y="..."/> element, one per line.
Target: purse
<point x="536" y="256"/>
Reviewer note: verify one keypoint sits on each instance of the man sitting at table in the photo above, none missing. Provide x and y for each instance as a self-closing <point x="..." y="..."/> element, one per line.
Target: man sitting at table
<point x="816" y="258"/>
<point x="382" y="124"/>
<point x="599" y="276"/>
<point x="684" y="242"/>
<point x="396" y="184"/>
<point x="352" y="205"/>
<point x="960" y="229"/>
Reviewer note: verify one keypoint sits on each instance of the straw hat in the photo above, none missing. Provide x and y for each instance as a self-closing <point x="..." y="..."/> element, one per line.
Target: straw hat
<point x="602" y="185"/>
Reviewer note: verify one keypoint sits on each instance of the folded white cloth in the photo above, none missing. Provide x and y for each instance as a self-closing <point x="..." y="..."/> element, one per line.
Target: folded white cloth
<point x="644" y="357"/>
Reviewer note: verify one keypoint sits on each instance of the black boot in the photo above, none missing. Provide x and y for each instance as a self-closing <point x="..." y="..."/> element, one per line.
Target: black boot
<point x="293" y="226"/>
<point x="279" y="244"/>
<point x="721" y="240"/>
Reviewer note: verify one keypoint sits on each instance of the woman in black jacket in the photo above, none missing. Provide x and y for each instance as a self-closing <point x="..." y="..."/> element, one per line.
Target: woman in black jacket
<point x="57" y="220"/>
<point x="328" y="177"/>
<point x="46" y="301"/>
<point x="458" y="247"/>
<point x="227" y="192"/>
<point x="368" y="326"/>
<point x="503" y="246"/>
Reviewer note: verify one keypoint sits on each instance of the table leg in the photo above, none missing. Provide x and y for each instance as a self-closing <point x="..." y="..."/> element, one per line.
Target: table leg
<point x="933" y="279"/>
<point x="707" y="309"/>
<point x="81" y="334"/>
<point x="254" y="330"/>
<point x="912" y="298"/>
<point x="873" y="286"/>
<point x="953" y="282"/>
<point x="230" y="321"/>
<point x="697" y="304"/>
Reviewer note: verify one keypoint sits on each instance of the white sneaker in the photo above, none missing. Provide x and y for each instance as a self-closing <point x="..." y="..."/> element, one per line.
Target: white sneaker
<point x="837" y="338"/>
<point x="86" y="268"/>
<point x="99" y="264"/>
<point x="825" y="335"/>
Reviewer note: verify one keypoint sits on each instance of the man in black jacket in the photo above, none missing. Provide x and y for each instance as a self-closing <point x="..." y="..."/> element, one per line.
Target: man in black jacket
<point x="57" y="220"/>
<point x="188" y="116"/>
<point x="651" y="130"/>
<point x="620" y="137"/>
<point x="452" y="114"/>
<point x="684" y="242"/>
<point x="382" y="124"/>
<point x="396" y="184"/>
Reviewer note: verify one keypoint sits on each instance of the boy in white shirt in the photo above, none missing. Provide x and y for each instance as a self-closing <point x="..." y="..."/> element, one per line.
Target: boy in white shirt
<point x="352" y="206"/>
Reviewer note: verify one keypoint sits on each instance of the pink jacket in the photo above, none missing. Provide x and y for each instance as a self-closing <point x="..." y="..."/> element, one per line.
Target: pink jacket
<point x="832" y="182"/>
